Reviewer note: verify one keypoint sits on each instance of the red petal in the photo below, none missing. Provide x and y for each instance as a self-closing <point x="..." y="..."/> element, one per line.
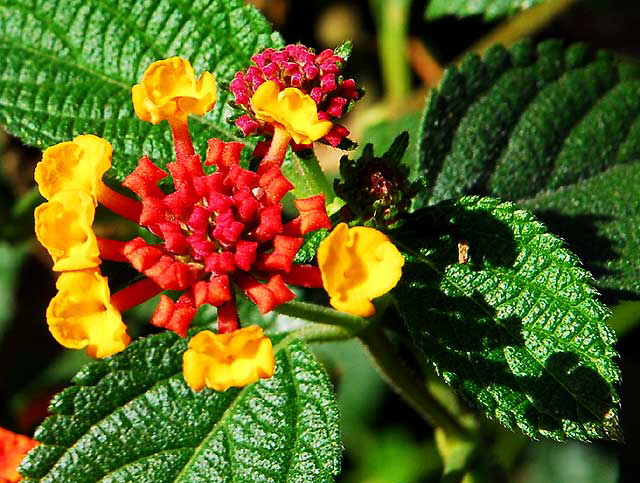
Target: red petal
<point x="220" y="263"/>
<point x="245" y="254"/>
<point x="174" y="316"/>
<point x="313" y="214"/>
<point x="246" y="204"/>
<point x="153" y="211"/>
<point x="174" y="239"/>
<point x="239" y="178"/>
<point x="275" y="185"/>
<point x="265" y="296"/>
<point x="141" y="255"/>
<point x="143" y="180"/>
<point x="214" y="292"/>
<point x="227" y="230"/>
<point x="270" y="222"/>
<point x="223" y="154"/>
<point x="281" y="258"/>
<point x="303" y="276"/>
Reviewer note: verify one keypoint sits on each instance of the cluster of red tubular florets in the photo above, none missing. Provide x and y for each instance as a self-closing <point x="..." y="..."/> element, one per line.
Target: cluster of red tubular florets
<point x="220" y="229"/>
<point x="297" y="66"/>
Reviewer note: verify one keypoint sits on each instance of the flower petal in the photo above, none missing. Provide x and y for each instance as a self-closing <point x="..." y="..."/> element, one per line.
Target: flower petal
<point x="74" y="165"/>
<point x="81" y="314"/>
<point x="63" y="227"/>
<point x="290" y="108"/>
<point x="357" y="265"/>
<point x="169" y="91"/>
<point x="221" y="361"/>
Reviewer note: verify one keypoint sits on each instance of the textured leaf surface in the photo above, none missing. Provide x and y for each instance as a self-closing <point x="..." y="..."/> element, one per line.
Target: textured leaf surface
<point x="491" y="9"/>
<point x="530" y="120"/>
<point x="133" y="418"/>
<point x="517" y="329"/>
<point x="67" y="67"/>
<point x="599" y="218"/>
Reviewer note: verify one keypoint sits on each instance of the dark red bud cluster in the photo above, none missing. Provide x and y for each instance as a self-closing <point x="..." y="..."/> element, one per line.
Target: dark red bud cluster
<point x="319" y="76"/>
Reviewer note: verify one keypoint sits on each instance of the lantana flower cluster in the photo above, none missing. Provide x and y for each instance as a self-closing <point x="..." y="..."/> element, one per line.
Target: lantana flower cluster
<point x="297" y="67"/>
<point x="222" y="234"/>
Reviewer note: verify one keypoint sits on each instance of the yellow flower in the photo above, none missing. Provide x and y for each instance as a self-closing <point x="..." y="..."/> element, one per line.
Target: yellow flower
<point x="292" y="109"/>
<point x="221" y="361"/>
<point x="357" y="265"/>
<point x="169" y="91"/>
<point x="63" y="227"/>
<point x="81" y="314"/>
<point x="74" y="165"/>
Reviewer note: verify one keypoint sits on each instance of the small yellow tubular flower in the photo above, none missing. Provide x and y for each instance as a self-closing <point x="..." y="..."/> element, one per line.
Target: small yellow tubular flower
<point x="221" y="361"/>
<point x="169" y="91"/>
<point x="81" y="314"/>
<point x="74" y="165"/>
<point x="357" y="265"/>
<point x="63" y="227"/>
<point x="292" y="109"/>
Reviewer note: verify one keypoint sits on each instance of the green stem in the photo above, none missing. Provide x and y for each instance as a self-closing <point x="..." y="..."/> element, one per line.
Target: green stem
<point x="407" y="384"/>
<point x="323" y="315"/>
<point x="393" y="20"/>
<point x="522" y="25"/>
<point x="319" y="333"/>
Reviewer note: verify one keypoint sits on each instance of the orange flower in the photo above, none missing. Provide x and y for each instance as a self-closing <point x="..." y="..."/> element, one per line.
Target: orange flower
<point x="74" y="165"/>
<point x="81" y="314"/>
<point x="357" y="265"/>
<point x="63" y="226"/>
<point x="169" y="91"/>
<point x="13" y="448"/>
<point x="221" y="361"/>
<point x="292" y="109"/>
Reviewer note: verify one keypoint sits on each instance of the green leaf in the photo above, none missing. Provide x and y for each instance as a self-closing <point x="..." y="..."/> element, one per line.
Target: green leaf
<point x="531" y="120"/>
<point x="132" y="417"/>
<point x="600" y="219"/>
<point x="382" y="135"/>
<point x="491" y="9"/>
<point x="517" y="329"/>
<point x="67" y="67"/>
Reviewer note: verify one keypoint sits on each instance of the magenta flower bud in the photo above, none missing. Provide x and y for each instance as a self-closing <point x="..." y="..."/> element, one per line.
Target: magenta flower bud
<point x="297" y="79"/>
<point x="336" y="106"/>
<point x="316" y="94"/>
<point x="299" y="67"/>
<point x="271" y="70"/>
<point x="247" y="124"/>
<point x="336" y="135"/>
<point x="310" y="71"/>
<point x="328" y="82"/>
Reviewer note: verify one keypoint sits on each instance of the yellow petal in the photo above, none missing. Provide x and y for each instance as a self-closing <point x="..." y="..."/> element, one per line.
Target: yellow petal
<point x="291" y="109"/>
<point x="221" y="361"/>
<point x="63" y="226"/>
<point x="81" y="314"/>
<point x="357" y="265"/>
<point x="169" y="91"/>
<point x="74" y="165"/>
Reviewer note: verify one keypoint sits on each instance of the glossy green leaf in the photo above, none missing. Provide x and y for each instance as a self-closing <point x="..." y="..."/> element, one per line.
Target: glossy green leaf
<point x="517" y="329"/>
<point x="491" y="9"/>
<point x="532" y="120"/>
<point x="599" y="218"/>
<point x="67" y="67"/>
<point x="132" y="417"/>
